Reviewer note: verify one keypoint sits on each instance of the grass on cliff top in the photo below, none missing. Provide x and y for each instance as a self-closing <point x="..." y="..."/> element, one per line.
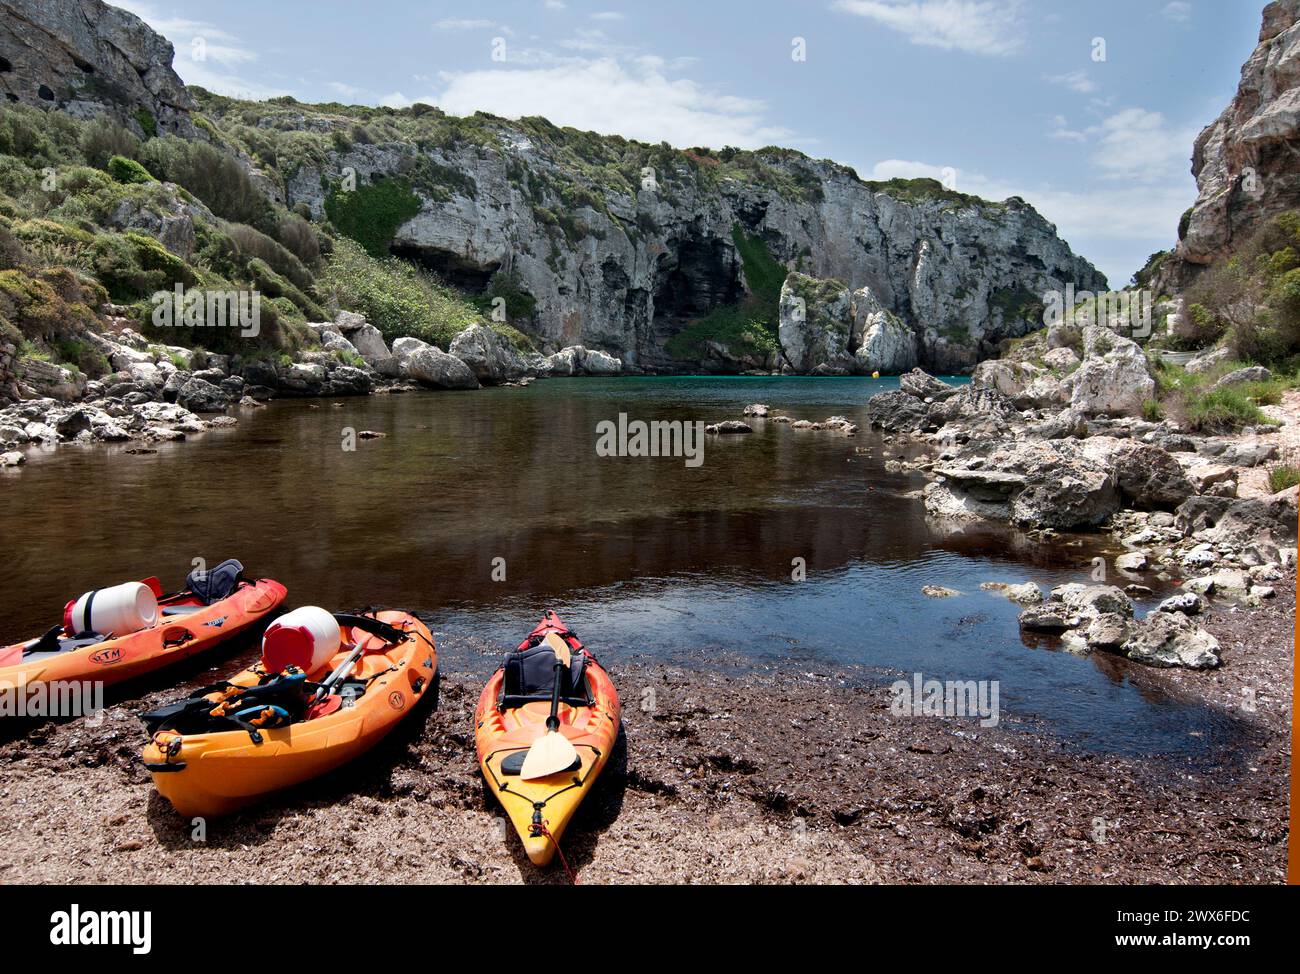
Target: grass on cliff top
<point x="745" y="329"/>
<point x="273" y="132"/>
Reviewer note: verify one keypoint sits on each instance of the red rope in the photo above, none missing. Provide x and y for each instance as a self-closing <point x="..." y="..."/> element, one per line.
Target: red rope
<point x="541" y="829"/>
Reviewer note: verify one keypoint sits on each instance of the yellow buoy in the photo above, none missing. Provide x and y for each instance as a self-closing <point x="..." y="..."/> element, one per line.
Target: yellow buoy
<point x="875" y="375"/>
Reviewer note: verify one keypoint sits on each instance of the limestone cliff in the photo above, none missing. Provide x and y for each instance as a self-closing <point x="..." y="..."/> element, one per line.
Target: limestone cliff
<point x="85" y="57"/>
<point x="1245" y="161"/>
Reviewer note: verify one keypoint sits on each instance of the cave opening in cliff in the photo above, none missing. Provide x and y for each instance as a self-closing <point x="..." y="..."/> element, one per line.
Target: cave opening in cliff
<point x="704" y="276"/>
<point x="449" y="267"/>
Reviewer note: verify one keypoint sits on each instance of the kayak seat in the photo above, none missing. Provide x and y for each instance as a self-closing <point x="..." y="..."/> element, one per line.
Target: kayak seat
<point x="530" y="677"/>
<point x="181" y="610"/>
<point x="216" y="584"/>
<point x="53" y="643"/>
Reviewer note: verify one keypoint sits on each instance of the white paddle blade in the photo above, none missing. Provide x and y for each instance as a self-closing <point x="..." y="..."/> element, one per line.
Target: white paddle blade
<point x="550" y="754"/>
<point x="559" y="647"/>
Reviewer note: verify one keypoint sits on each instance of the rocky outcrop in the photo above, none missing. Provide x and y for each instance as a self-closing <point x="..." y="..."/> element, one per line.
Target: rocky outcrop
<point x="88" y="58"/>
<point x="879" y="340"/>
<point x="576" y="360"/>
<point x="431" y="366"/>
<point x="490" y="356"/>
<point x="1244" y="161"/>
<point x="815" y="326"/>
<point x="1113" y="379"/>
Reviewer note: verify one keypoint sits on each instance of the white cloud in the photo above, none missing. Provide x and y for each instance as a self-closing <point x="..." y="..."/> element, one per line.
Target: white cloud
<point x="456" y="23"/>
<point x="634" y="98"/>
<point x="607" y="15"/>
<point x="1075" y="80"/>
<point x="988" y="27"/>
<point x="1179" y="11"/>
<point x="1133" y="145"/>
<point x="555" y="5"/>
<point x="205" y="53"/>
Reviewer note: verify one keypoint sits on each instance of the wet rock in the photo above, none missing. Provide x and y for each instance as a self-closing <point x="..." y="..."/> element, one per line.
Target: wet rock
<point x="1052" y="616"/>
<point x="757" y="410"/>
<point x="1107" y="631"/>
<point x="1026" y="593"/>
<point x="1171" y="639"/>
<point x="11" y="459"/>
<point x="1188" y="603"/>
<point x="729" y="426"/>
<point x="1132" y="561"/>
<point x="578" y="360"/>
<point x="938" y="592"/>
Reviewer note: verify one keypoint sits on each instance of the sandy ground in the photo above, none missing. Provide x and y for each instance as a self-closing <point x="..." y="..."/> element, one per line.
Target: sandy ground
<point x="1253" y="481"/>
<point x="733" y="776"/>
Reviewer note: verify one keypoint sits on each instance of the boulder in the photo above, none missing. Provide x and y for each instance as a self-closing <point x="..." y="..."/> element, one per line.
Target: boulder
<point x="1208" y="360"/>
<point x="897" y="411"/>
<point x="45" y="380"/>
<point x="729" y="426"/>
<point x="1113" y="379"/>
<point x="201" y="396"/>
<point x="1061" y="359"/>
<point x="922" y="385"/>
<point x="579" y="360"/>
<point x="1253" y="373"/>
<point x="431" y="366"/>
<point x="1171" y="639"/>
<point x="1188" y="603"/>
<point x="490" y="356"/>
<point x="1149" y="478"/>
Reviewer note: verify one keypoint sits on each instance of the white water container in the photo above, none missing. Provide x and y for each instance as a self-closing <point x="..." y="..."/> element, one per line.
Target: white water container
<point x="306" y="638"/>
<point x="119" y="610"/>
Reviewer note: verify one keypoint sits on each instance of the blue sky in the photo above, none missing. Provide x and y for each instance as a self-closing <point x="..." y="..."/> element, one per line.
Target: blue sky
<point x="1000" y="96"/>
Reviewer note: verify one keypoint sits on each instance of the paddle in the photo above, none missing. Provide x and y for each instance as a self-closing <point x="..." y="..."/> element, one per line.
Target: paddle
<point x="340" y="671"/>
<point x="551" y="753"/>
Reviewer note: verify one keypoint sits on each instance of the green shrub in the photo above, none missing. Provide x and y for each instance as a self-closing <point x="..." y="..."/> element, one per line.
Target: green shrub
<point x="372" y="213"/>
<point x="78" y="353"/>
<point x="128" y="170"/>
<point x="1282" y="476"/>
<point x="1223" y="411"/>
<point x="147" y="123"/>
<point x="215" y="177"/>
<point x="1153" y="411"/>
<point x="397" y="298"/>
<point x="103" y="139"/>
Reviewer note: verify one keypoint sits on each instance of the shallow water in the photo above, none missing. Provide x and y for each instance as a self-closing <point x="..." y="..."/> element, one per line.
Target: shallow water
<point x="641" y="555"/>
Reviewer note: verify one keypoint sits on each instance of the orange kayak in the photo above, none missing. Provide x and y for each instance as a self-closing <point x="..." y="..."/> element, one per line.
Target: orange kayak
<point x="512" y="714"/>
<point x="216" y="772"/>
<point x="185" y="626"/>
